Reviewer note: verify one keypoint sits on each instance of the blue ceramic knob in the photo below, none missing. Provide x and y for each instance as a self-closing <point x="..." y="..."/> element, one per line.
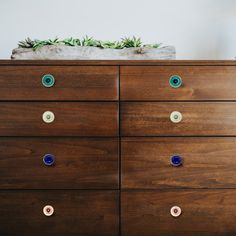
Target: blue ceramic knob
<point x="48" y="81"/>
<point x="48" y="159"/>
<point x="176" y="160"/>
<point x="175" y="81"/>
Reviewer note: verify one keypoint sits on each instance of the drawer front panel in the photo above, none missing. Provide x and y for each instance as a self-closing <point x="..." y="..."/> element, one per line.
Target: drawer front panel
<point x="85" y="213"/>
<point x="198" y="83"/>
<point x="71" y="83"/>
<point x="149" y="163"/>
<point x="77" y="163"/>
<point x="200" y="119"/>
<point x="70" y="119"/>
<point x="203" y="212"/>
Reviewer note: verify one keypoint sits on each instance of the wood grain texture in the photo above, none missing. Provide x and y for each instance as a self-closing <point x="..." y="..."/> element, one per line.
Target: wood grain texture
<point x="207" y="163"/>
<point x="77" y="213"/>
<point x="117" y="62"/>
<point x="72" y="83"/>
<point x="204" y="212"/>
<point x="80" y="163"/>
<point x="71" y="119"/>
<point x="199" y="83"/>
<point x="200" y="119"/>
<point x="83" y="186"/>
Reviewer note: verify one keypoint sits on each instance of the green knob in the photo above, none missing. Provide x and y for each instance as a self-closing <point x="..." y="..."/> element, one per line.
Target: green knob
<point x="48" y="81"/>
<point x="175" y="81"/>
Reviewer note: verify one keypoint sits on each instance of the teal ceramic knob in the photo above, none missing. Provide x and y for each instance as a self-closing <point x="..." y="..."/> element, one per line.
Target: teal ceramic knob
<point x="175" y="81"/>
<point x="48" y="81"/>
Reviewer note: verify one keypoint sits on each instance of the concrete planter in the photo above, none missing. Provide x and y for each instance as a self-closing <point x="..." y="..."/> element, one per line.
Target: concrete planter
<point x="62" y="52"/>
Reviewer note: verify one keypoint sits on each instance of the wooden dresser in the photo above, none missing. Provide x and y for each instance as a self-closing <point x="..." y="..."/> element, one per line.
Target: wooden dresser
<point x="109" y="148"/>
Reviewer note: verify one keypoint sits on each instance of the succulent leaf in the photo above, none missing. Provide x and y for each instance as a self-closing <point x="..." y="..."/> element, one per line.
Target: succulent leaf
<point x="126" y="42"/>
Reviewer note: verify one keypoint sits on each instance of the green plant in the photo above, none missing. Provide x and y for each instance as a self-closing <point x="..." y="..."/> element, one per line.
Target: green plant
<point x="155" y="45"/>
<point x="40" y="43"/>
<point x="71" y="42"/>
<point x="131" y="42"/>
<point x="27" y="43"/>
<point x="87" y="41"/>
<point x="109" y="44"/>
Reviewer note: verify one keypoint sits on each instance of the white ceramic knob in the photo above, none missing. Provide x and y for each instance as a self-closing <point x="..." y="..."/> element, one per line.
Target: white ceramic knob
<point x="175" y="211"/>
<point x="48" y="117"/>
<point x="48" y="210"/>
<point x="176" y="116"/>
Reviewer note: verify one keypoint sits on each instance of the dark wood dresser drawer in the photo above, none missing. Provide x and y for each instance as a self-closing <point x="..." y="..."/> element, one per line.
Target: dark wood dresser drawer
<point x="85" y="213"/>
<point x="111" y="148"/>
<point x="70" y="83"/>
<point x="149" y="163"/>
<point x="197" y="118"/>
<point x="58" y="163"/>
<point x="203" y="212"/>
<point x="198" y="83"/>
<point x="70" y="119"/>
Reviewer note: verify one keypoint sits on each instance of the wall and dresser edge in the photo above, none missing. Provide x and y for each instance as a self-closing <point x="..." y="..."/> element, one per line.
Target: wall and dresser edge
<point x="117" y="148"/>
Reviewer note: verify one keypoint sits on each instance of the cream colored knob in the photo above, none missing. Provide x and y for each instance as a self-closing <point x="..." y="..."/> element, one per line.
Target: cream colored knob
<point x="48" y="210"/>
<point x="176" y="116"/>
<point x="175" y="211"/>
<point x="48" y="117"/>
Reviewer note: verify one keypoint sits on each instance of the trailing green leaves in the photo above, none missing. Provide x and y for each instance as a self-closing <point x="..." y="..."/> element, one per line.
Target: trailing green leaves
<point x="88" y="42"/>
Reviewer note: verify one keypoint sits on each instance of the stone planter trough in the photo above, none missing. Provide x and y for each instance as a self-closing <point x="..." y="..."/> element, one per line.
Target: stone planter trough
<point x="63" y="52"/>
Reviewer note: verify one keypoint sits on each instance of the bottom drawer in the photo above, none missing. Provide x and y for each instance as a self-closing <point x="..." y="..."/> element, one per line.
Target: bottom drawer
<point x="75" y="213"/>
<point x="203" y="212"/>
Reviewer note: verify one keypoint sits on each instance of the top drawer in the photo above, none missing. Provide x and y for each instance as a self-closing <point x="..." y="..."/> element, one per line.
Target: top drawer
<point x="198" y="83"/>
<point x="63" y="83"/>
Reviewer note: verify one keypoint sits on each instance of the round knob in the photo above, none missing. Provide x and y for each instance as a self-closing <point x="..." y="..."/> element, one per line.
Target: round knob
<point x="176" y="160"/>
<point x="48" y="117"/>
<point x="48" y="159"/>
<point x="48" y="81"/>
<point x="176" y="116"/>
<point x="175" y="81"/>
<point x="175" y="211"/>
<point x="48" y="210"/>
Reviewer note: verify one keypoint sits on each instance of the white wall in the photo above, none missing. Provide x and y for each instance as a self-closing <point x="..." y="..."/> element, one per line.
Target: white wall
<point x="200" y="29"/>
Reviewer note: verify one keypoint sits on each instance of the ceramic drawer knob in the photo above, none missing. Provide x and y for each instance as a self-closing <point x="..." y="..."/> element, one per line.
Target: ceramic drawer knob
<point x="176" y="160"/>
<point x="175" y="211"/>
<point x="176" y="116"/>
<point x="48" y="81"/>
<point x="48" y="159"/>
<point x="175" y="81"/>
<point x="48" y="210"/>
<point x="48" y="117"/>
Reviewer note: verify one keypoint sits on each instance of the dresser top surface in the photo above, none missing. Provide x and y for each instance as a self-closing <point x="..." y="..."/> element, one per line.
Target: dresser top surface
<point x="119" y="62"/>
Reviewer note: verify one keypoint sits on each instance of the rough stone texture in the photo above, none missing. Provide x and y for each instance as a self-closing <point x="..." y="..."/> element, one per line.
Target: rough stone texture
<point x="93" y="53"/>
